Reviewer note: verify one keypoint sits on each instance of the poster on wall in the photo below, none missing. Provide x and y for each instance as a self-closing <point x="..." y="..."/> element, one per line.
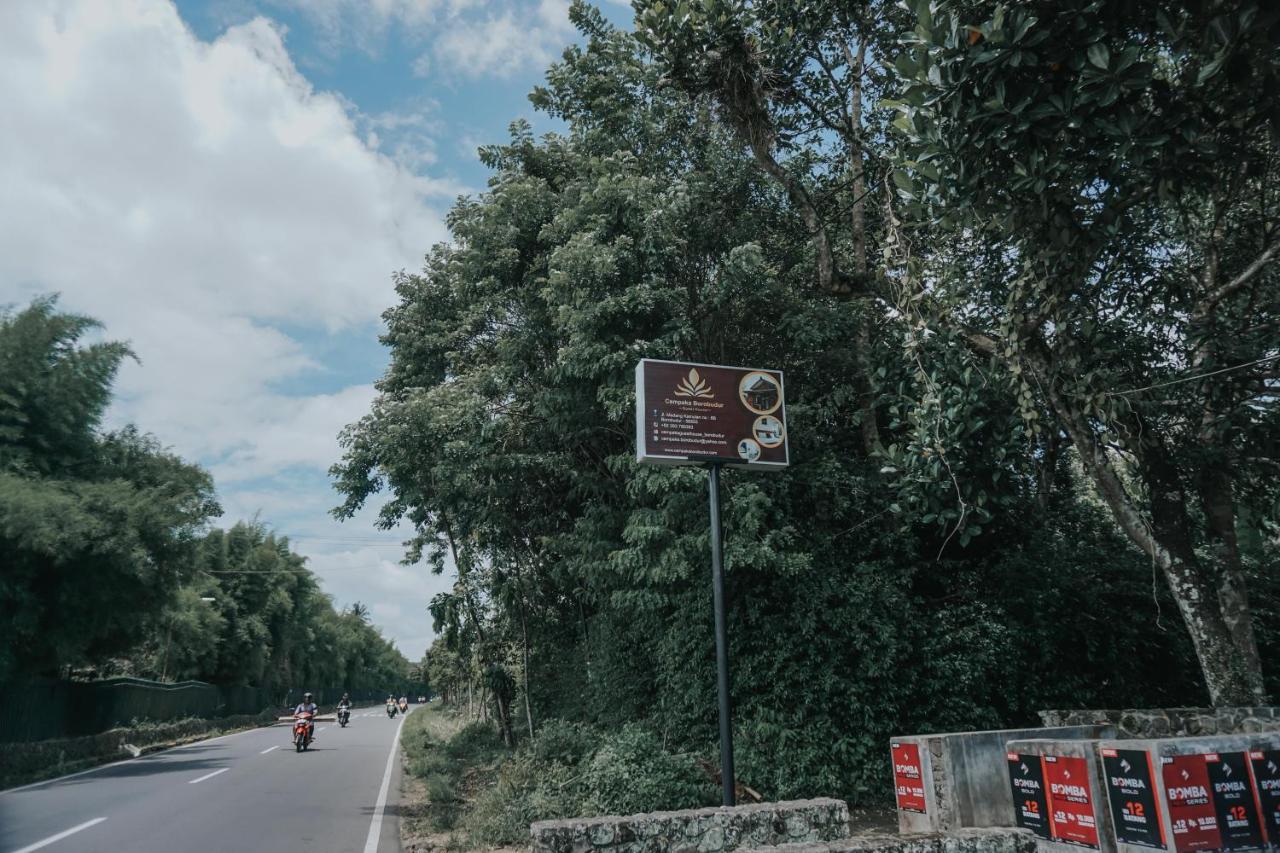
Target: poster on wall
<point x="1071" y="815"/>
<point x="692" y="414"/>
<point x="1030" y="805"/>
<point x="1132" y="793"/>
<point x="1234" y="804"/>
<point x="1192" y="820"/>
<point x="908" y="777"/>
<point x="1265" y="765"/>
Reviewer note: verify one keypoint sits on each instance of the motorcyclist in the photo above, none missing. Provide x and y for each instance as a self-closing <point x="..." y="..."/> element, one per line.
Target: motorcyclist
<point x="392" y="707"/>
<point x="404" y="703"/>
<point x="308" y="707"/>
<point x="344" y="704"/>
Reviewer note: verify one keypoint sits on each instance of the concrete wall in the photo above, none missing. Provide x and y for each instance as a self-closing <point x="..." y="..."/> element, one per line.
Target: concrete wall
<point x="961" y="841"/>
<point x="1171" y="722"/>
<point x="966" y="777"/>
<point x="697" y="830"/>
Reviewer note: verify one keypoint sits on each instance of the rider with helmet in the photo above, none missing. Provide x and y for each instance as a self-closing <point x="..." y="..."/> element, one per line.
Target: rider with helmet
<point x="308" y="707"/>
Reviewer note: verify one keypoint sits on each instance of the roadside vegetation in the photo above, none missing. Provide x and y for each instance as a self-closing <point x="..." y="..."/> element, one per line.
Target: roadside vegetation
<point x="111" y="563"/>
<point x="475" y="792"/>
<point x="1020" y="265"/>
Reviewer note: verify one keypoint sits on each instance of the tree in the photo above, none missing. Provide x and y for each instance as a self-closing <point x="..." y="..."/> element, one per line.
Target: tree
<point x="502" y="433"/>
<point x="1097" y="180"/>
<point x="95" y="528"/>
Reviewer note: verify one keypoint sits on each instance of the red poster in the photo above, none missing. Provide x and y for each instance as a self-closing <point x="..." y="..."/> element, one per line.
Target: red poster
<point x="908" y="778"/>
<point x="1071" y="817"/>
<point x="1191" y="813"/>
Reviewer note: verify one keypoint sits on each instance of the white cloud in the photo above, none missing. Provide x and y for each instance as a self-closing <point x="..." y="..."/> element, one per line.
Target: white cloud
<point x="505" y="43"/>
<point x="213" y="208"/>
<point x="464" y="38"/>
<point x="195" y="196"/>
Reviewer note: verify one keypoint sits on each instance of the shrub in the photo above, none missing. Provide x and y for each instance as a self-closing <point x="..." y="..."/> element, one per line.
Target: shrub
<point x="631" y="773"/>
<point x="563" y="742"/>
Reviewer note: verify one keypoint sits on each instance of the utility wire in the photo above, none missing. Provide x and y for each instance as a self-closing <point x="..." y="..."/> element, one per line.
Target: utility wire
<point x="1193" y="378"/>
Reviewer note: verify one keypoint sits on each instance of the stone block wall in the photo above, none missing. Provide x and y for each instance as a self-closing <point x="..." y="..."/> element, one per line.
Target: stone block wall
<point x="1171" y="722"/>
<point x="711" y="830"/>
<point x="960" y="841"/>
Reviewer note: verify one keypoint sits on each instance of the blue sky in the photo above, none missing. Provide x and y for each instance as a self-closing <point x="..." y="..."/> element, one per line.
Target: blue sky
<point x="228" y="185"/>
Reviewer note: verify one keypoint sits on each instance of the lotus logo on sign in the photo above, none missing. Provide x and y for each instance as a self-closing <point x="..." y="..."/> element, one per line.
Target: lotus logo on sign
<point x="694" y="414"/>
<point x="693" y="386"/>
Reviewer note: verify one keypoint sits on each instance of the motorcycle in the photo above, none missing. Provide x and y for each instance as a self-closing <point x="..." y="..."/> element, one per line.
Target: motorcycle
<point x="302" y="731"/>
<point x="344" y="716"/>
<point x="404" y="706"/>
<point x="391" y="710"/>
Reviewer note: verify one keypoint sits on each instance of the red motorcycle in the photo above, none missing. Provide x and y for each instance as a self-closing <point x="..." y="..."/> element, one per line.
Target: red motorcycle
<point x="302" y="729"/>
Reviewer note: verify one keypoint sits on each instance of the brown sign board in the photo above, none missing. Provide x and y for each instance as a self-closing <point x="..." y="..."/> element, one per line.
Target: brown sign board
<point x="692" y="414"/>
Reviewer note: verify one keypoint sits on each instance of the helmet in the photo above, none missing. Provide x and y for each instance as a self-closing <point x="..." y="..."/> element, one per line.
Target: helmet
<point x="306" y="695"/>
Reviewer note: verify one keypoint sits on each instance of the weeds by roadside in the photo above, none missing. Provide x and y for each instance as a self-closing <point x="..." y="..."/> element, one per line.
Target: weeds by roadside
<point x="472" y="792"/>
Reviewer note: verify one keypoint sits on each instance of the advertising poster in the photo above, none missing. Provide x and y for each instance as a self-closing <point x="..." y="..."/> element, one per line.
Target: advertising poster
<point x="908" y="777"/>
<point x="1030" y="805"/>
<point x="692" y="414"/>
<point x="1233" y="801"/>
<point x="1131" y="791"/>
<point x="1071" y="815"/>
<point x="1265" y="765"/>
<point x="1192" y="820"/>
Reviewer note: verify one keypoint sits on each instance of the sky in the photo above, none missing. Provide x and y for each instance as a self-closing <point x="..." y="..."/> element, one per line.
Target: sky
<point x="228" y="185"/>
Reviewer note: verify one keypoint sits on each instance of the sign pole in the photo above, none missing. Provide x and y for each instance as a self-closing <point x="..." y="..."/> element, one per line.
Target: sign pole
<point x="722" y="638"/>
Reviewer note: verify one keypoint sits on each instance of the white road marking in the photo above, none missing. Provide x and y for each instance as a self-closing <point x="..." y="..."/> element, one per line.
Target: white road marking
<point x="375" y="825"/>
<point x="61" y="835"/>
<point x="208" y="775"/>
<point x="268" y="749"/>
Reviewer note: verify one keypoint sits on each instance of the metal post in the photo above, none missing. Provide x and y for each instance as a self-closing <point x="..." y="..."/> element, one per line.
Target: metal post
<point x="722" y="640"/>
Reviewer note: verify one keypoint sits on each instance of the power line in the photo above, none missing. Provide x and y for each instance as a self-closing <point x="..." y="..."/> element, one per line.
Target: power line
<point x="1197" y="376"/>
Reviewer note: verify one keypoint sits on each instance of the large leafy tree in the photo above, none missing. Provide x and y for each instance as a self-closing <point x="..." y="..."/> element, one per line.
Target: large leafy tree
<point x="95" y="529"/>
<point x="1096" y="181"/>
<point x="503" y="427"/>
<point x="1055" y="198"/>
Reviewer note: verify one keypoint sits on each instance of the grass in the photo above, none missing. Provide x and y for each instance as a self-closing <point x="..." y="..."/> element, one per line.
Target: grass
<point x="464" y="790"/>
<point x="449" y="762"/>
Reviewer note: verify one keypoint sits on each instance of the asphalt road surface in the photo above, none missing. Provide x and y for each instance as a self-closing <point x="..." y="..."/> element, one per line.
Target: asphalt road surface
<point x="242" y="792"/>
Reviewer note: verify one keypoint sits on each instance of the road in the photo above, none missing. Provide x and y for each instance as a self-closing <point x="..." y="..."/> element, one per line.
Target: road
<point x="243" y="792"/>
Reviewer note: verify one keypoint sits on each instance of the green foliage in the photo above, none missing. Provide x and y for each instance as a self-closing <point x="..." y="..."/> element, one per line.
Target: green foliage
<point x="631" y="773"/>
<point x="109" y="565"/>
<point x="957" y="569"/>
<point x="95" y="530"/>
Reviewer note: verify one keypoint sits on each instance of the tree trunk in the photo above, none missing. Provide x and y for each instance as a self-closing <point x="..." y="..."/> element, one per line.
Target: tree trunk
<point x="1233" y="597"/>
<point x="1165" y="541"/>
<point x="862" y="343"/>
<point x="524" y="635"/>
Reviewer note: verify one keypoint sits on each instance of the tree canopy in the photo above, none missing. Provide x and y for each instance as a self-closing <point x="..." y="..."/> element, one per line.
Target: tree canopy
<point x="109" y="562"/>
<point x="931" y="560"/>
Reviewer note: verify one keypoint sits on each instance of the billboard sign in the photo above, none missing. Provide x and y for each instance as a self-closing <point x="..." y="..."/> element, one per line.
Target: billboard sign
<point x="693" y="414"/>
<point x="1132" y="792"/>
<point x="1030" y="803"/>
<point x="908" y="778"/>
<point x="1071" y="816"/>
<point x="1192" y="818"/>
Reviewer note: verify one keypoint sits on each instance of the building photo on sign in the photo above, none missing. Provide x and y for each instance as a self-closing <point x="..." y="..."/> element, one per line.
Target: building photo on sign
<point x="695" y="414"/>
